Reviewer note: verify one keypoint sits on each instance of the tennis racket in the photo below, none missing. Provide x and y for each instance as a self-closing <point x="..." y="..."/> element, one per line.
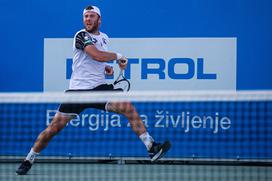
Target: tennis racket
<point x="121" y="82"/>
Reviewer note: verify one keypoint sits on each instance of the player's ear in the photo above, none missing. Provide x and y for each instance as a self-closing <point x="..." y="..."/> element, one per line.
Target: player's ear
<point x="99" y="20"/>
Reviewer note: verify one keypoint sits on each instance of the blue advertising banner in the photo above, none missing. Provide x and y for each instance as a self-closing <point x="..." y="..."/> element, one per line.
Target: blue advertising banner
<point x="213" y="129"/>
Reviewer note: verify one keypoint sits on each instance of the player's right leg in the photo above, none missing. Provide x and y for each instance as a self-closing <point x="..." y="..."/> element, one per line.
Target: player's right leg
<point x="58" y="123"/>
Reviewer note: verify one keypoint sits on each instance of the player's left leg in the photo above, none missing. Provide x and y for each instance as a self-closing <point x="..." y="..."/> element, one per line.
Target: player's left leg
<point x="156" y="150"/>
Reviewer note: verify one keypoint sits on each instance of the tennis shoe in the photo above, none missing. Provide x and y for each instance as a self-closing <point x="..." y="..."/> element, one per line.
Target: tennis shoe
<point x="24" y="167"/>
<point x="158" y="150"/>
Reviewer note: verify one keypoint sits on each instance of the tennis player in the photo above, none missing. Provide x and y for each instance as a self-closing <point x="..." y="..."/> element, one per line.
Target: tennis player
<point x="89" y="68"/>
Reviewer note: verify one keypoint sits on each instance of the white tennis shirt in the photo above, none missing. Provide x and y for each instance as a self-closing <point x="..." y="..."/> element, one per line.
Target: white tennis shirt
<point x="87" y="72"/>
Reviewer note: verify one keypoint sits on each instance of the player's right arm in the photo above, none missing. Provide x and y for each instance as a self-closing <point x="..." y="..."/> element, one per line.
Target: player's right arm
<point x="85" y="43"/>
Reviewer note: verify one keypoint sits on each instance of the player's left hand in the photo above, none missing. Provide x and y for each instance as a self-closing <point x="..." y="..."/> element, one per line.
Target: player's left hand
<point x="109" y="70"/>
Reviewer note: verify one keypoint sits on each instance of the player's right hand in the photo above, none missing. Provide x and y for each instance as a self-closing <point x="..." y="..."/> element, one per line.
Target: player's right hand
<point x="122" y="62"/>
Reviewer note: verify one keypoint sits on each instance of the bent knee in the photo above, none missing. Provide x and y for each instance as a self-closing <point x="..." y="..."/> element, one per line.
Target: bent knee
<point x="120" y="107"/>
<point x="126" y="108"/>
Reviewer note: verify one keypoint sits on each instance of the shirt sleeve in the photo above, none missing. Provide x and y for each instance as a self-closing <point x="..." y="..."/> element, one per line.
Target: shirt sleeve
<point x="82" y="40"/>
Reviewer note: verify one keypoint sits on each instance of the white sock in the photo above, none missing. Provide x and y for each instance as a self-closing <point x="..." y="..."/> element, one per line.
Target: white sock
<point x="147" y="140"/>
<point x="31" y="156"/>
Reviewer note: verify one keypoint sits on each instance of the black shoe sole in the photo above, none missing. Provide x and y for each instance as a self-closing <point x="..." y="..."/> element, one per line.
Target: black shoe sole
<point x="19" y="173"/>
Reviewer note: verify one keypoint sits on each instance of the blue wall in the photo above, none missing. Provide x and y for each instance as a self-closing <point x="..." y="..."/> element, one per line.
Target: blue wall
<point x="25" y="24"/>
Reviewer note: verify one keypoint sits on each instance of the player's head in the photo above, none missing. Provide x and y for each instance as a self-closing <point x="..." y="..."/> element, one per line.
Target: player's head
<point x="91" y="18"/>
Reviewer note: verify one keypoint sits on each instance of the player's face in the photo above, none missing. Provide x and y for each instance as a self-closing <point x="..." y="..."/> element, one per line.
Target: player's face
<point x="91" y="22"/>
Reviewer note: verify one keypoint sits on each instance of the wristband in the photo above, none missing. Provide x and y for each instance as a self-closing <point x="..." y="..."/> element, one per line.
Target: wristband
<point x="119" y="56"/>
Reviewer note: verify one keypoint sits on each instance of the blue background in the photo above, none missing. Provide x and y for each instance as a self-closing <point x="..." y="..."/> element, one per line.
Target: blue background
<point x="25" y="24"/>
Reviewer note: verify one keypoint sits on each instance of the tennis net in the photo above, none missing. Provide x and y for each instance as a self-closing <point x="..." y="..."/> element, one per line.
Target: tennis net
<point x="206" y="129"/>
